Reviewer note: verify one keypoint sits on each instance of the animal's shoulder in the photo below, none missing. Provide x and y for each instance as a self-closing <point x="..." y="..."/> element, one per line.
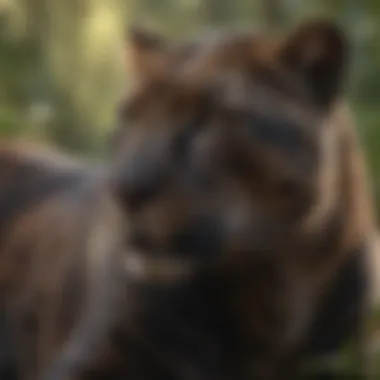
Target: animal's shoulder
<point x="30" y="173"/>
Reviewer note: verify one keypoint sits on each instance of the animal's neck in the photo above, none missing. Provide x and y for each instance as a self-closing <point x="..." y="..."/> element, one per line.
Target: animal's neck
<point x="344" y="219"/>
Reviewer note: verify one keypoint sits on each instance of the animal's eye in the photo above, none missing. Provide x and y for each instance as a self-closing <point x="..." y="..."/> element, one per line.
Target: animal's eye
<point x="275" y="132"/>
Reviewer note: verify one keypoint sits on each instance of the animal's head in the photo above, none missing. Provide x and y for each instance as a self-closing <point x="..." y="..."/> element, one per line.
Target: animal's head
<point x="221" y="143"/>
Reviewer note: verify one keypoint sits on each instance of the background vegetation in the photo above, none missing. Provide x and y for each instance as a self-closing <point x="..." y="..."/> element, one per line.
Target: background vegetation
<point x="61" y="62"/>
<point x="62" y="68"/>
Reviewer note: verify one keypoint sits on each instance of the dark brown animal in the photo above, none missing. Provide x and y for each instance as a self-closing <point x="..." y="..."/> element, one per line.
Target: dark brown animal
<point x="248" y="213"/>
<point x="251" y="135"/>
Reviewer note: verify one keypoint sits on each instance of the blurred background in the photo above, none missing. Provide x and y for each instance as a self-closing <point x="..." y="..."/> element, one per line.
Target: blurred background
<point x="62" y="63"/>
<point x="62" y="68"/>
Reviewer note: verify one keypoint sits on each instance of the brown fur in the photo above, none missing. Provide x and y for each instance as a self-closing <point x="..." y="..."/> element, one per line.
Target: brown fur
<point x="248" y="210"/>
<point x="60" y="243"/>
<point x="252" y="132"/>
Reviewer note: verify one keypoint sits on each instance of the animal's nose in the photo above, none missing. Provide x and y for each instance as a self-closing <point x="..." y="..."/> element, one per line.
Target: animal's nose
<point x="138" y="177"/>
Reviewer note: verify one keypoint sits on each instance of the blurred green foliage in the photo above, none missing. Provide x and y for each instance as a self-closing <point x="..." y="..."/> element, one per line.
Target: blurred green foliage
<point x="62" y="62"/>
<point x="61" y="69"/>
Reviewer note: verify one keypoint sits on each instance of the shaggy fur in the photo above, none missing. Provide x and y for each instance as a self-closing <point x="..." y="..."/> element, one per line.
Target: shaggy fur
<point x="243" y="180"/>
<point x="60" y="239"/>
<point x="251" y="133"/>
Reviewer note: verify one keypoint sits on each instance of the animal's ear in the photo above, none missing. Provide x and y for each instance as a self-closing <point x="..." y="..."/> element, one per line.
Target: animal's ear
<point x="147" y="54"/>
<point x="317" y="52"/>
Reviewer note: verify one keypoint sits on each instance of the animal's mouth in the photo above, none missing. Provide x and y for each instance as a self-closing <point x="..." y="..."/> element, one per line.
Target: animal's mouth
<point x="162" y="269"/>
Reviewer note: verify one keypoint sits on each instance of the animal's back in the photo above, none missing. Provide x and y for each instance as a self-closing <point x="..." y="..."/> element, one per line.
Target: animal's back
<point x="30" y="174"/>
